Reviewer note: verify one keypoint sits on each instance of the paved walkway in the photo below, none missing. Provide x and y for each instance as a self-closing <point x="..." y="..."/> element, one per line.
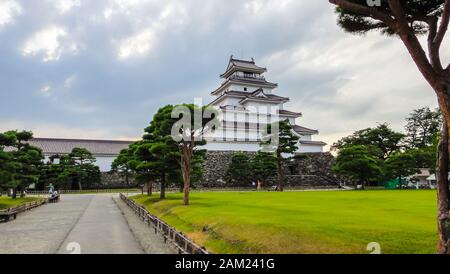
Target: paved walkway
<point x="92" y="222"/>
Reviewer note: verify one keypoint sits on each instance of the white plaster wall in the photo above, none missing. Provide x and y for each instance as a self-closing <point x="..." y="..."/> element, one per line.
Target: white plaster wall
<point x="229" y="146"/>
<point x="253" y="147"/>
<point x="230" y="101"/>
<point x="310" y="149"/>
<point x="306" y="138"/>
<point x="104" y="162"/>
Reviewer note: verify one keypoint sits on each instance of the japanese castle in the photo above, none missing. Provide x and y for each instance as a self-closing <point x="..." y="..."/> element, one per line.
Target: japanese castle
<point x="246" y="104"/>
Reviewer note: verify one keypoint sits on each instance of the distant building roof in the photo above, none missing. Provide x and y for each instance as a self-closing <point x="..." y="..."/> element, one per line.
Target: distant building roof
<point x="433" y="177"/>
<point x="52" y="146"/>
<point x="423" y="172"/>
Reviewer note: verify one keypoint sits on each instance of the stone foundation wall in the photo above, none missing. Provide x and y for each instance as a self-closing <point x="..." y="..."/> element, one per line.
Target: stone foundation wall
<point x="115" y="180"/>
<point x="310" y="170"/>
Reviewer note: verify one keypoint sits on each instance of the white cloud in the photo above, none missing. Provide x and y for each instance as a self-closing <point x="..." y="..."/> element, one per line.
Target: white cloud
<point x="138" y="45"/>
<point x="52" y="42"/>
<point x="45" y="90"/>
<point x="50" y="91"/>
<point x="8" y="10"/>
<point x="107" y="13"/>
<point x="68" y="83"/>
<point x="65" y="6"/>
<point x="127" y="4"/>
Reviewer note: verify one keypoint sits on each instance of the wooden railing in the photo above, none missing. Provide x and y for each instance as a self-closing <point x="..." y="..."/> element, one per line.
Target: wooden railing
<point x="26" y="206"/>
<point x="183" y="244"/>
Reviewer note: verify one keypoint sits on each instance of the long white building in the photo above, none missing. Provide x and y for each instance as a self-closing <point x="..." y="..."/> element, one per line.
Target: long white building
<point x="104" y="151"/>
<point x="247" y="103"/>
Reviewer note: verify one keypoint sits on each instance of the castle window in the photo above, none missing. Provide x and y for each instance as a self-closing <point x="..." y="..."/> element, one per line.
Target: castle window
<point x="245" y="89"/>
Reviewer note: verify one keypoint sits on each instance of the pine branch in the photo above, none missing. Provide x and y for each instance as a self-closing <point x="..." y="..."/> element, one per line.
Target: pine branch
<point x="367" y="11"/>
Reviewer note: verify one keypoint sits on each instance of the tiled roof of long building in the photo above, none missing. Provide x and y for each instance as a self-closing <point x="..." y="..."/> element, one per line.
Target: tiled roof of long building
<point x="65" y="146"/>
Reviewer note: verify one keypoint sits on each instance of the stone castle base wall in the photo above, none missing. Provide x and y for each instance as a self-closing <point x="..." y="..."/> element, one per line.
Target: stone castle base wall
<point x="115" y="180"/>
<point x="311" y="170"/>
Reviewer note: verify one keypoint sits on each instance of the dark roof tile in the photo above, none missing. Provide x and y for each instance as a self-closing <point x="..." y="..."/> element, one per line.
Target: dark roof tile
<point x="65" y="146"/>
<point x="304" y="130"/>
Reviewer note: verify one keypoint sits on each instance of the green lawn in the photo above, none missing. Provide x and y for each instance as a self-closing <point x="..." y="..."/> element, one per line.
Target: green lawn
<point x="7" y="202"/>
<point x="304" y="222"/>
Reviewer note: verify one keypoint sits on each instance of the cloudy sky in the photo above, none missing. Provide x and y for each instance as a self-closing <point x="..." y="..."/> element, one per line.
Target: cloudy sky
<point x="100" y="69"/>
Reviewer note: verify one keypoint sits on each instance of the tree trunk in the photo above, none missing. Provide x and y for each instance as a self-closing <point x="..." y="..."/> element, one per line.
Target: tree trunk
<point x="187" y="181"/>
<point x="150" y="188"/>
<point x="79" y="184"/>
<point x="280" y="175"/>
<point x="14" y="193"/>
<point x="163" y="187"/>
<point x="187" y="152"/>
<point x="443" y="192"/>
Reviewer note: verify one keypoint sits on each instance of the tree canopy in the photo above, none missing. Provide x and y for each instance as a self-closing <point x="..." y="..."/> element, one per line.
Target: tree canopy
<point x="239" y="171"/>
<point x="281" y="140"/>
<point x="170" y="147"/>
<point x="400" y="165"/>
<point x="79" y="169"/>
<point x="380" y="141"/>
<point x="188" y="125"/>
<point x="423" y="127"/>
<point x="19" y="161"/>
<point x="264" y="166"/>
<point x="123" y="164"/>
<point x="360" y="18"/>
<point x="357" y="163"/>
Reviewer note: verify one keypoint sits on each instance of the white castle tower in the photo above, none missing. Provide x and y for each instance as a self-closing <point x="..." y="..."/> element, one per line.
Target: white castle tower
<point x="246" y="104"/>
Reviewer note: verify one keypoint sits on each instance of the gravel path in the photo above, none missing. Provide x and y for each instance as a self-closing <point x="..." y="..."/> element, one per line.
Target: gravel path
<point x="93" y="223"/>
<point x="152" y="243"/>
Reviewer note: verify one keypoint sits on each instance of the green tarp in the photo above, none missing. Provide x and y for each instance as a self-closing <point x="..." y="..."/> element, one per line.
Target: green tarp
<point x="393" y="184"/>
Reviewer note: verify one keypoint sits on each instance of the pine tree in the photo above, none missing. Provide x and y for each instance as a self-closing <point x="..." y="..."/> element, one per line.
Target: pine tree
<point x="283" y="142"/>
<point x="239" y="171"/>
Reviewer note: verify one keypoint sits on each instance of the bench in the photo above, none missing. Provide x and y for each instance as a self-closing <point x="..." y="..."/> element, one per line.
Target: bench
<point x="53" y="199"/>
<point x="6" y="216"/>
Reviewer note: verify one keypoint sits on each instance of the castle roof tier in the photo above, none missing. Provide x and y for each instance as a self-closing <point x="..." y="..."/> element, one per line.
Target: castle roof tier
<point x="257" y="95"/>
<point x="304" y="131"/>
<point x="242" y="65"/>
